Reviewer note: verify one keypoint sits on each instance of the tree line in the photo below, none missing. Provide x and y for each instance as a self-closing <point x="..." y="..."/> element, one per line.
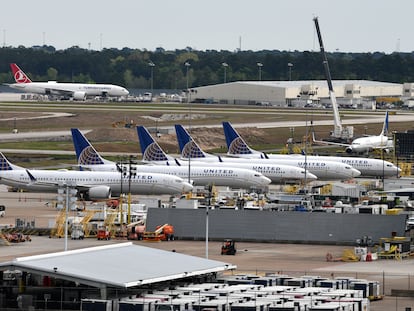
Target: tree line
<point x="132" y="67"/>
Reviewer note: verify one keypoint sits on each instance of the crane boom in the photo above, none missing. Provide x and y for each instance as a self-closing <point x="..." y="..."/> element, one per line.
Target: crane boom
<point x="338" y="132"/>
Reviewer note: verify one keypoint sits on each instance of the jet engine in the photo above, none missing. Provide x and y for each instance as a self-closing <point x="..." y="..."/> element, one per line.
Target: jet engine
<point x="99" y="193"/>
<point x="79" y="95"/>
<point x="348" y="150"/>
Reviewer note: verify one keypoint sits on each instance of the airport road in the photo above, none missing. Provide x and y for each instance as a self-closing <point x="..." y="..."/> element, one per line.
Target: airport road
<point x="319" y="117"/>
<point x="291" y="259"/>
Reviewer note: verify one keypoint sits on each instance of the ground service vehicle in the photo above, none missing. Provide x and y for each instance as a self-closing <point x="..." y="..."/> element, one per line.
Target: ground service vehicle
<point x="135" y="231"/>
<point x="228" y="247"/>
<point x="103" y="233"/>
<point x="77" y="232"/>
<point x="161" y="233"/>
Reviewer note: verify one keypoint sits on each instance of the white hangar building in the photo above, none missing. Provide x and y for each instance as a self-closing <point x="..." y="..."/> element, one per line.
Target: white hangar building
<point x="356" y="93"/>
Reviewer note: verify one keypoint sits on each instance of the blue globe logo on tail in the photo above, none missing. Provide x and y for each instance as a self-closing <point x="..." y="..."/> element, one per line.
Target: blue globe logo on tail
<point x="191" y="150"/>
<point x="4" y="164"/>
<point x="154" y="153"/>
<point x="89" y="156"/>
<point x="238" y="146"/>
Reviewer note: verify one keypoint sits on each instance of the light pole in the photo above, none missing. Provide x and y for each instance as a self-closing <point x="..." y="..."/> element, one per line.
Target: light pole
<point x="225" y="65"/>
<point x="260" y="65"/>
<point x="152" y="65"/>
<point x="132" y="173"/>
<point x="290" y="65"/>
<point x="187" y="65"/>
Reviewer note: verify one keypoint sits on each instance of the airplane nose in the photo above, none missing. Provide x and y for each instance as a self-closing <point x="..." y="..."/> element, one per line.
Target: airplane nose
<point x="355" y="172"/>
<point x="187" y="187"/>
<point x="265" y="180"/>
<point x="310" y="176"/>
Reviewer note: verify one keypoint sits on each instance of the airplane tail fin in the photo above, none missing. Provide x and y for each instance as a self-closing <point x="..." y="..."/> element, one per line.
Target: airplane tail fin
<point x="85" y="152"/>
<point x="19" y="75"/>
<point x="384" y="131"/>
<point x="235" y="143"/>
<point x="188" y="147"/>
<point x="5" y="164"/>
<point x="151" y="151"/>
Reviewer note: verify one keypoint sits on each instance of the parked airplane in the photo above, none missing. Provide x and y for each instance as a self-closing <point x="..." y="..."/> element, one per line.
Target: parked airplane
<point x="367" y="143"/>
<point x="89" y="158"/>
<point x="322" y="169"/>
<point x="367" y="166"/>
<point x="77" y="91"/>
<point x="90" y="185"/>
<point x="152" y="153"/>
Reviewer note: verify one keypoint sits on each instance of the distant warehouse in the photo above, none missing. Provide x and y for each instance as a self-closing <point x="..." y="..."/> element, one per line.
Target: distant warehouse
<point x="349" y="93"/>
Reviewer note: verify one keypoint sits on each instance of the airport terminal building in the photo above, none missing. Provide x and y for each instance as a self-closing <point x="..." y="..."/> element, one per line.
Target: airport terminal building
<point x="349" y="93"/>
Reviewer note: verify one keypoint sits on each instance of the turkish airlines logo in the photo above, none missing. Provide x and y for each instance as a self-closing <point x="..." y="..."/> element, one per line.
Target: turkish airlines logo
<point x="20" y="77"/>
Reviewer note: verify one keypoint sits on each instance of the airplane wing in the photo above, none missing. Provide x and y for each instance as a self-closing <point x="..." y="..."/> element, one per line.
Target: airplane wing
<point x="322" y="142"/>
<point x="59" y="91"/>
<point x="34" y="181"/>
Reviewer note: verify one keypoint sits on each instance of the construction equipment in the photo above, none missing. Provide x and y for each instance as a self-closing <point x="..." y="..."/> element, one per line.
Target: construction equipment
<point x="228" y="247"/>
<point x="339" y="132"/>
<point x="135" y="230"/>
<point x="161" y="233"/>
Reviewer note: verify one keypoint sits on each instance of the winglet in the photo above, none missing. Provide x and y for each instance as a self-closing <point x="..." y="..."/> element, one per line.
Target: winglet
<point x="151" y="151"/>
<point x="85" y="152"/>
<point x="235" y="143"/>
<point x="32" y="178"/>
<point x="19" y="75"/>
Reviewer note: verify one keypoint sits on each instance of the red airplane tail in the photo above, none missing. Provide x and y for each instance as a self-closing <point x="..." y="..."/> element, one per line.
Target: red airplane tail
<point x="19" y="75"/>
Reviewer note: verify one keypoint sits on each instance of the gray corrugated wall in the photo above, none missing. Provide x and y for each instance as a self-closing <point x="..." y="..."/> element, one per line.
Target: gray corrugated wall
<point x="277" y="226"/>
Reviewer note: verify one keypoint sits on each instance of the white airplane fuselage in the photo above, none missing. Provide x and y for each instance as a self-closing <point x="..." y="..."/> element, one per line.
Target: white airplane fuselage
<point x="325" y="170"/>
<point x="276" y="173"/>
<point x="366" y="144"/>
<point x="367" y="166"/>
<point x="202" y="176"/>
<point x="77" y="90"/>
<point x="101" y="182"/>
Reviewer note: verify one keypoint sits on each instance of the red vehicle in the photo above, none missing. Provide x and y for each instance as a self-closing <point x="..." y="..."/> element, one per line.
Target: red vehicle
<point x="161" y="233"/>
<point x="228" y="247"/>
<point x="103" y="234"/>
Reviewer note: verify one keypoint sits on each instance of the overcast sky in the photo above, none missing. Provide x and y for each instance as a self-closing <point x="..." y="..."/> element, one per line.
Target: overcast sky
<point x="346" y="26"/>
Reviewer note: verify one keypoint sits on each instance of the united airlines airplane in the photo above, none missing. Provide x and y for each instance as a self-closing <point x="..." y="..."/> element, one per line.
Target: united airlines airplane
<point x="367" y="166"/>
<point x="91" y="185"/>
<point x="77" y="91"/>
<point x="367" y="143"/>
<point x="89" y="158"/>
<point x="327" y="170"/>
<point x="152" y="153"/>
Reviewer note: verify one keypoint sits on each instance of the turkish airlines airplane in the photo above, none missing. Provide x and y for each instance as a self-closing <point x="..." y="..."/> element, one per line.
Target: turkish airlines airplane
<point x="322" y="169"/>
<point x="89" y="158"/>
<point x="367" y="166"/>
<point x="90" y="185"/>
<point x="77" y="91"/>
<point x="152" y="153"/>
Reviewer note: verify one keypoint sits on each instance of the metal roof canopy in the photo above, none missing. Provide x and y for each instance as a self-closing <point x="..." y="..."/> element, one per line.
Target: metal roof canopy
<point x="120" y="265"/>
